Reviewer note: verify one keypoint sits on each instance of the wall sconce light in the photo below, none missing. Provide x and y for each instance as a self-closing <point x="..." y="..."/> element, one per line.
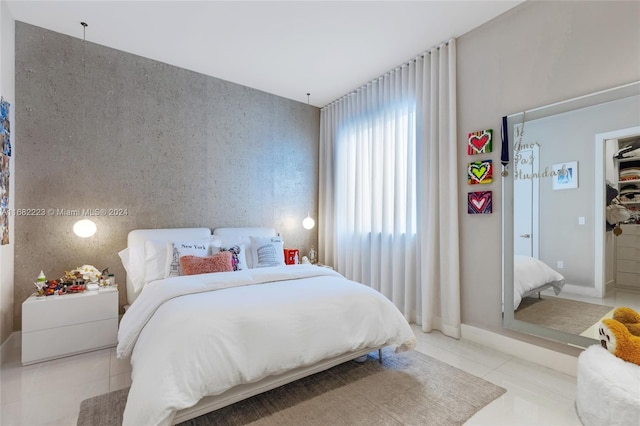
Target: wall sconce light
<point x="84" y="228"/>
<point x="308" y="222"/>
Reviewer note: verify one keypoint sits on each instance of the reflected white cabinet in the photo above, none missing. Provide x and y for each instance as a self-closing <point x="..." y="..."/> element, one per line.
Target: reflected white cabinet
<point x="58" y="326"/>
<point x="628" y="257"/>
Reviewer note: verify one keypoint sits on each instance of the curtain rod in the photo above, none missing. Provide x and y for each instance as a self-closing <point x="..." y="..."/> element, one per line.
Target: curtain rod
<point x="415" y="58"/>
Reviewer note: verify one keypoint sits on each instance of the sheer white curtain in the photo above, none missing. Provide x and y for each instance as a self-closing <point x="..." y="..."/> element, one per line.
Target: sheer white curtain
<point x="388" y="188"/>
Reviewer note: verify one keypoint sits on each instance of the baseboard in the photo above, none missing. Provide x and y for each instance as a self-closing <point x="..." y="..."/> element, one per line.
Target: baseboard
<point x="580" y="290"/>
<point x="557" y="361"/>
<point x="609" y="288"/>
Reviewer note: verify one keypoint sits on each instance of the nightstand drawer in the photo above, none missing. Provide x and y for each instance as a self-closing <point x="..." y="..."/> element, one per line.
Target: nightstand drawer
<point x="57" y="326"/>
<point x="70" y="309"/>
<point x="48" y="344"/>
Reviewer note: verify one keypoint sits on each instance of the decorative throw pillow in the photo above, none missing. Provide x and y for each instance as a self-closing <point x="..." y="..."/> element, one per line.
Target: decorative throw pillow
<point x="179" y="249"/>
<point x="238" y="257"/>
<point x="267" y="251"/>
<point x="193" y="265"/>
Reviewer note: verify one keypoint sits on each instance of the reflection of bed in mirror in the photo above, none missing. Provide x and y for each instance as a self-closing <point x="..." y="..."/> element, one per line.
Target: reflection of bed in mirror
<point x="531" y="276"/>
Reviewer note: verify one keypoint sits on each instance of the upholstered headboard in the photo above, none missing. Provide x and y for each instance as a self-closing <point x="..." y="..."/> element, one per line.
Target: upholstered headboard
<point x="241" y="235"/>
<point x="135" y="243"/>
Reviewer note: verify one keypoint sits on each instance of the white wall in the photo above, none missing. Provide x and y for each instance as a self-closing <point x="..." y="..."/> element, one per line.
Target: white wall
<point x="7" y="90"/>
<point x="570" y="137"/>
<point x="533" y="55"/>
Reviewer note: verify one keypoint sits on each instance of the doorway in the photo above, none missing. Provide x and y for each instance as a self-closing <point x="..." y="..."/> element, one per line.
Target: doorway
<point x="605" y="243"/>
<point x="526" y="194"/>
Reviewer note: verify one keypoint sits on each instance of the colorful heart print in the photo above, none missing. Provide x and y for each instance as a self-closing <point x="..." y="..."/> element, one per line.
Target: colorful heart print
<point x="480" y="142"/>
<point x="479" y="202"/>
<point x="480" y="172"/>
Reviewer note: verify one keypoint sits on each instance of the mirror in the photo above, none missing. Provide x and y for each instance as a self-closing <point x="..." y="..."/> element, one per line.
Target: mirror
<point x="564" y="268"/>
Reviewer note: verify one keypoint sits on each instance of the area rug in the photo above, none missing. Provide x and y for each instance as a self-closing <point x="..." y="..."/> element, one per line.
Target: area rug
<point x="570" y="316"/>
<point x="405" y="389"/>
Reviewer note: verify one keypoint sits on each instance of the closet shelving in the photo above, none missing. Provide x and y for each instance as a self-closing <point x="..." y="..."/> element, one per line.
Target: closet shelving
<point x="628" y="171"/>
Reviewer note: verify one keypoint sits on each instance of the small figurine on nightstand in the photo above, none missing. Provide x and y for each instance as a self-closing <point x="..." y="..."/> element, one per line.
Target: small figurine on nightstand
<point x="40" y="284"/>
<point x="313" y="256"/>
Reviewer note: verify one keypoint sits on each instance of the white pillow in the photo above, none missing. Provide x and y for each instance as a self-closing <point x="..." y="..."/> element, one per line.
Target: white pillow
<point x="214" y="245"/>
<point x="156" y="260"/>
<point x="267" y="251"/>
<point x="133" y="261"/>
<point x="183" y="248"/>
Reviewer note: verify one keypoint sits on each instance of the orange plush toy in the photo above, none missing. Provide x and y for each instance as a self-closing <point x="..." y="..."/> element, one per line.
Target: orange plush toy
<point x="617" y="339"/>
<point x="630" y="319"/>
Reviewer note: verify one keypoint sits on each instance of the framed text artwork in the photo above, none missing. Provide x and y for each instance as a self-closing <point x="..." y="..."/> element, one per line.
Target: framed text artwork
<point x="480" y="142"/>
<point x="480" y="202"/>
<point x="480" y="172"/>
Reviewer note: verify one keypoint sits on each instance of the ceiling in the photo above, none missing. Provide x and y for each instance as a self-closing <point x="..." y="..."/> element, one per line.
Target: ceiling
<point x="287" y="48"/>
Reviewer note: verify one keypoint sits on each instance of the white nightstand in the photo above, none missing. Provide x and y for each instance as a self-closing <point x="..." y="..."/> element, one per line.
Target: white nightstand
<point x="58" y="326"/>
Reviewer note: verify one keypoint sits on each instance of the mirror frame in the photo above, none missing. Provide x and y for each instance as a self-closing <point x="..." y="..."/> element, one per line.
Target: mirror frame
<point x="508" y="319"/>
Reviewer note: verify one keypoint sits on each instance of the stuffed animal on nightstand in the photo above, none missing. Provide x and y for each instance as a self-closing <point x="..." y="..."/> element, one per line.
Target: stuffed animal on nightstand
<point x="630" y="319"/>
<point x="617" y="339"/>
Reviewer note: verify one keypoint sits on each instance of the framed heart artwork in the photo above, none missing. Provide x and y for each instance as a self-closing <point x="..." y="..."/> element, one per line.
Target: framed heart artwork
<point x="480" y="202"/>
<point x="480" y="142"/>
<point x="480" y="172"/>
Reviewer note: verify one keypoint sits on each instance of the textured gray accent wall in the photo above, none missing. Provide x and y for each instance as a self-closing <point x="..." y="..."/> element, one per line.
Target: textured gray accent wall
<point x="104" y="129"/>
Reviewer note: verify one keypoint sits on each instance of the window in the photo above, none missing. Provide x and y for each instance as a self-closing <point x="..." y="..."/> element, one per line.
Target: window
<point x="376" y="173"/>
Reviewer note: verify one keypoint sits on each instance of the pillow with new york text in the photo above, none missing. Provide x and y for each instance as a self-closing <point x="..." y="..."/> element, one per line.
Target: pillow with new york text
<point x="182" y="248"/>
<point x="267" y="251"/>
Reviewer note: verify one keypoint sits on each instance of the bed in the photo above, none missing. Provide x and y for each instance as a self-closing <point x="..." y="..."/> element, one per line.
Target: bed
<point x="531" y="276"/>
<point x="200" y="342"/>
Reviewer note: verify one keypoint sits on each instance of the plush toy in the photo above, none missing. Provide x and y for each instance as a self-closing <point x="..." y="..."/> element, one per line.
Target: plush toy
<point x="630" y="319"/>
<point x="617" y="339"/>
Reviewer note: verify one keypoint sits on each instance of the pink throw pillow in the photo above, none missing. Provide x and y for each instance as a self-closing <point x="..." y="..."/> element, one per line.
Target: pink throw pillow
<point x="194" y="265"/>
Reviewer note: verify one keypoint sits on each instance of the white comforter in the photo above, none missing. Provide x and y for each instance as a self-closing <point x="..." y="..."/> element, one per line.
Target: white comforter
<point x="200" y="335"/>
<point x="531" y="273"/>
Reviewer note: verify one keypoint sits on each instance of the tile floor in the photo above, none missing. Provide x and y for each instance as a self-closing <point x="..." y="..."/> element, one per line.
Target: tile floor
<point x="50" y="393"/>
